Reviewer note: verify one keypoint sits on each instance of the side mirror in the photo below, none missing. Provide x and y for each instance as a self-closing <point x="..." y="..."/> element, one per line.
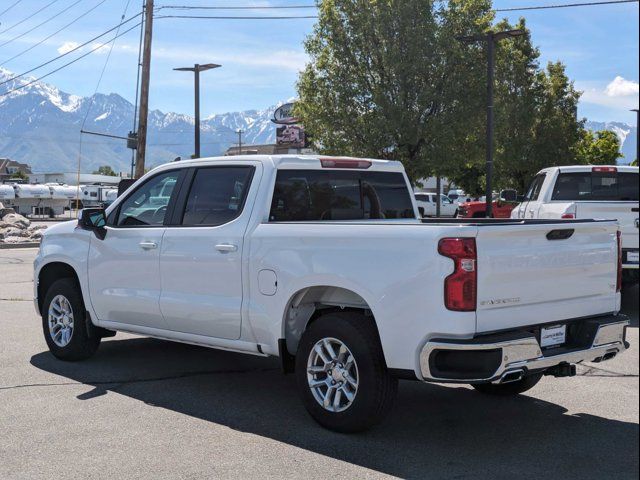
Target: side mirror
<point x="93" y="219"/>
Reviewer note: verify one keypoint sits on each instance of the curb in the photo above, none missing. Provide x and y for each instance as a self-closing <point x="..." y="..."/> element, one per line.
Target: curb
<point x="7" y="246"/>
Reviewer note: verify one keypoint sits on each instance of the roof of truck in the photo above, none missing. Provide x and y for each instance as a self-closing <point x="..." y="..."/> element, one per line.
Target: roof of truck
<point x="588" y="168"/>
<point x="289" y="161"/>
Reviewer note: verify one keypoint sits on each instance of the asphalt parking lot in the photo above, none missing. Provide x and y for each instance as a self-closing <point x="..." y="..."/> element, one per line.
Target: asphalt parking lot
<point x="144" y="408"/>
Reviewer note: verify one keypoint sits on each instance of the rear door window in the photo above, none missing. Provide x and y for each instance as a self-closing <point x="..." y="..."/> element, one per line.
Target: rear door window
<point x="311" y="195"/>
<point x="598" y="186"/>
<point x="217" y="195"/>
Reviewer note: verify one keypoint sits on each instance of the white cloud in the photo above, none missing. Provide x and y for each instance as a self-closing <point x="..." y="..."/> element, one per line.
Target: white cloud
<point x="608" y="95"/>
<point x="620" y="87"/>
<point x="67" y="47"/>
<point x="290" y="60"/>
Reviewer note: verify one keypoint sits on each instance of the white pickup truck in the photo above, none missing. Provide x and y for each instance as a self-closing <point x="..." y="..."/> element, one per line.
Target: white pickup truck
<point x="589" y="192"/>
<point x="324" y="263"/>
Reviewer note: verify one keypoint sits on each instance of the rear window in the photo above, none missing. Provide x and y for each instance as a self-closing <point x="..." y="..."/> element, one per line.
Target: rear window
<point x="603" y="186"/>
<point x="310" y="195"/>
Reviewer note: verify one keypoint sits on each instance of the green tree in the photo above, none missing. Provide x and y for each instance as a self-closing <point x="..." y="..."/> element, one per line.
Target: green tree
<point x="20" y="175"/>
<point x="391" y="80"/>
<point x="598" y="148"/>
<point x="105" y="170"/>
<point x="535" y="114"/>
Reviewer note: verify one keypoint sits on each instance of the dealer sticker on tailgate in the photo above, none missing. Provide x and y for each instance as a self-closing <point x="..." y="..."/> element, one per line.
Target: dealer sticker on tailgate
<point x="633" y="257"/>
<point x="555" y="335"/>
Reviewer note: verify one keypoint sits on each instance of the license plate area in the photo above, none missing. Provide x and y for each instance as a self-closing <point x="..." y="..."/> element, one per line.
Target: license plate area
<point x="633" y="256"/>
<point x="553" y="335"/>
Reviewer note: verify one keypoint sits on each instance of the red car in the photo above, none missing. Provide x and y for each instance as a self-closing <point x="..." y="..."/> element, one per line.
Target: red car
<point x="501" y="209"/>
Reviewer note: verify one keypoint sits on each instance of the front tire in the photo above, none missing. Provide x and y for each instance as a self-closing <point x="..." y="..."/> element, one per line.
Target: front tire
<point x="341" y="373"/>
<point x="63" y="322"/>
<point x="511" y="388"/>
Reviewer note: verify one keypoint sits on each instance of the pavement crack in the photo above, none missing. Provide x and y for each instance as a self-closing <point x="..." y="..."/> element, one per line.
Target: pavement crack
<point x="140" y="380"/>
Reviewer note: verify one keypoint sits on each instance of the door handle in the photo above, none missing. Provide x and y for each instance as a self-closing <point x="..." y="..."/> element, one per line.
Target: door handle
<point x="148" y="245"/>
<point x="226" y="247"/>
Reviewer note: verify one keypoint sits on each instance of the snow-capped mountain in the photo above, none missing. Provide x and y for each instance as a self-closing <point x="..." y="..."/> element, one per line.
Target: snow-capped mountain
<point x="40" y="125"/>
<point x="627" y="135"/>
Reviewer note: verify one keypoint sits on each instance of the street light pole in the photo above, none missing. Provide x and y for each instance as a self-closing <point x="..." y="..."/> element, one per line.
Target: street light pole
<point x="637" y="135"/>
<point x="196" y="69"/>
<point x="196" y="109"/>
<point x="239" y="141"/>
<point x="489" y="175"/>
<point x="491" y="38"/>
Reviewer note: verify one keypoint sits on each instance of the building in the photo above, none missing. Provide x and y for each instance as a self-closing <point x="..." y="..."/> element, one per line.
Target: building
<point x="71" y="178"/>
<point x="9" y="168"/>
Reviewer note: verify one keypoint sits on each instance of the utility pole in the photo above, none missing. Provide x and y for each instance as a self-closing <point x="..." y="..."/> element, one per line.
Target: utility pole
<point x="196" y="69"/>
<point x="637" y="135"/>
<point x="438" y="191"/>
<point x="144" y="88"/>
<point x="239" y="132"/>
<point x="491" y="38"/>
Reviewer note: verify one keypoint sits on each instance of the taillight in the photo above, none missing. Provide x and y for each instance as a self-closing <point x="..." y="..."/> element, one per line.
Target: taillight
<point x="568" y="216"/>
<point x="344" y="163"/>
<point x="619" y="277"/>
<point x="460" y="288"/>
<point x="604" y="169"/>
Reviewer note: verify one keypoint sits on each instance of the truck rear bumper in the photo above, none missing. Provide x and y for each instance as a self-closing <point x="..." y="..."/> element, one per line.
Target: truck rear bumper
<point x="507" y="356"/>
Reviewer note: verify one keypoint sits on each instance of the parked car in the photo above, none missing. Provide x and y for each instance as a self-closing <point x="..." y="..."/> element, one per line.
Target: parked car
<point x="501" y="206"/>
<point x="426" y="203"/>
<point x="589" y="192"/>
<point x="458" y="196"/>
<point x="323" y="262"/>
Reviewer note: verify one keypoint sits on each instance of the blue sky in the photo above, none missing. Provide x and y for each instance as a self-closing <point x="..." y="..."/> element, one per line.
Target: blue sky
<point x="260" y="59"/>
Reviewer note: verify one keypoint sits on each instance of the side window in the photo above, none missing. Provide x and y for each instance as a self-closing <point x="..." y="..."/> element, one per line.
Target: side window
<point x="534" y="190"/>
<point x="147" y="205"/>
<point x="217" y="195"/>
<point x="313" y="195"/>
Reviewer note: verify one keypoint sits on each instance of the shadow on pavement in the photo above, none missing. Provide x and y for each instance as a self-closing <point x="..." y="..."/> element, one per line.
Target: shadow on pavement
<point x="434" y="431"/>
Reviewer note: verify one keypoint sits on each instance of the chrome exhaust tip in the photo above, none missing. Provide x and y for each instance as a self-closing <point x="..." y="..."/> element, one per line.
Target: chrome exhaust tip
<point x="511" y="376"/>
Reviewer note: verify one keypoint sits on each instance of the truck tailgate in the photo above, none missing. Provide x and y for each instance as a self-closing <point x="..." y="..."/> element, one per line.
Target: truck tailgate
<point x="625" y="212"/>
<point x="525" y="278"/>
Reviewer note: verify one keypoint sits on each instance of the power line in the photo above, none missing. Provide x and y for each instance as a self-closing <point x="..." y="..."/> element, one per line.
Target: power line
<point x="242" y="7"/>
<point x="292" y="7"/>
<point x="54" y="33"/>
<point x="104" y="67"/>
<point x="566" y="5"/>
<point x="10" y="7"/>
<point x="73" y="49"/>
<point x="28" y="18"/>
<point x="229" y="17"/>
<point x="299" y="17"/>
<point x="35" y="80"/>
<point x="41" y="23"/>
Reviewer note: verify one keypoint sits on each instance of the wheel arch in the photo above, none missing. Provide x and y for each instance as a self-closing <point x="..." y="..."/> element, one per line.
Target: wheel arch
<point x="51" y="272"/>
<point x="309" y="303"/>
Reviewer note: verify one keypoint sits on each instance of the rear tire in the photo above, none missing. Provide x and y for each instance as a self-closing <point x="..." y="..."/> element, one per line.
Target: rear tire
<point x="63" y="322"/>
<point x="511" y="388"/>
<point x="356" y="374"/>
